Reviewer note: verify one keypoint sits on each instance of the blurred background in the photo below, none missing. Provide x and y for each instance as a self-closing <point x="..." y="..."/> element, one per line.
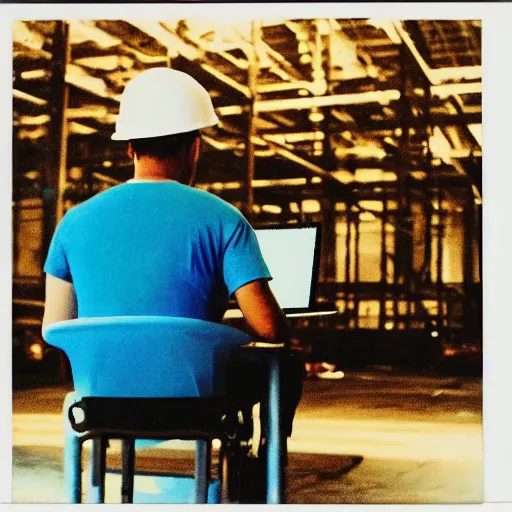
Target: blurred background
<point x="372" y="128"/>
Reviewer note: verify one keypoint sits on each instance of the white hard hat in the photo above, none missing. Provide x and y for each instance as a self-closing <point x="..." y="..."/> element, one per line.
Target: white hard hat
<point x="163" y="101"/>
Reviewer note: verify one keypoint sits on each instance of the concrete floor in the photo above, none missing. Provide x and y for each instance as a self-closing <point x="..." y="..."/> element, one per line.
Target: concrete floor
<point x="369" y="438"/>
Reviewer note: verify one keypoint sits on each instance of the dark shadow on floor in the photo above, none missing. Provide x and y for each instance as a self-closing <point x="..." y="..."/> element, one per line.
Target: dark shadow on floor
<point x="308" y="470"/>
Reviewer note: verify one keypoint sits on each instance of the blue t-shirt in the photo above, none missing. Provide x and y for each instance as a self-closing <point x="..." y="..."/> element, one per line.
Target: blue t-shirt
<point x="158" y="248"/>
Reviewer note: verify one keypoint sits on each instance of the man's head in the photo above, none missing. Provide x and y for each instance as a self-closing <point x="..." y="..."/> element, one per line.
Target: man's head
<point x="174" y="155"/>
<point x="161" y="113"/>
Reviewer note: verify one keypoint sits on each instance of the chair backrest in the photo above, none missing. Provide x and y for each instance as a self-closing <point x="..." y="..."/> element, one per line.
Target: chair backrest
<point x="146" y="357"/>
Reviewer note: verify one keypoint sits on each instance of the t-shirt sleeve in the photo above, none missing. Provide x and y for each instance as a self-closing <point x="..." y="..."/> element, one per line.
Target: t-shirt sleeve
<point x="56" y="262"/>
<point x="243" y="261"/>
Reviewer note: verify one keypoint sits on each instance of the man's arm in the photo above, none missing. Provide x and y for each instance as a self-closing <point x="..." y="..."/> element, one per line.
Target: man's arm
<point x="60" y="303"/>
<point x="262" y="312"/>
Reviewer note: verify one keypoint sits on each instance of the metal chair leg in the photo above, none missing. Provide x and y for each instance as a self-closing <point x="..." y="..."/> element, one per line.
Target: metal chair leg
<point x="128" y="470"/>
<point x="224" y="475"/>
<point x="72" y="456"/>
<point x="73" y="468"/>
<point x="98" y="470"/>
<point x="202" y="470"/>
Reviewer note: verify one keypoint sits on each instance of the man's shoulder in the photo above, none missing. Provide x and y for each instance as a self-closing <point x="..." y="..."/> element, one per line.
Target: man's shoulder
<point x="81" y="209"/>
<point x="210" y="200"/>
<point x="198" y="199"/>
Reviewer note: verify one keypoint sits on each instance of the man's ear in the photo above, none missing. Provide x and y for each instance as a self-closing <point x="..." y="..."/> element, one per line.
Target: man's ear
<point x="194" y="152"/>
<point x="130" y="152"/>
<point x="193" y="156"/>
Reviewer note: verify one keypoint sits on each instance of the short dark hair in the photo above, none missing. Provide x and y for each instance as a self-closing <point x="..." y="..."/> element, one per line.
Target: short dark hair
<point x="164" y="147"/>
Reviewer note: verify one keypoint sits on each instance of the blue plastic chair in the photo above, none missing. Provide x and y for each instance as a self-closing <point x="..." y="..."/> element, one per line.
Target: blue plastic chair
<point x="116" y="360"/>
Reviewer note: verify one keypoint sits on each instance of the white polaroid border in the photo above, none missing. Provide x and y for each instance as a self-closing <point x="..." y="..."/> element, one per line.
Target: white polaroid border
<point x="497" y="187"/>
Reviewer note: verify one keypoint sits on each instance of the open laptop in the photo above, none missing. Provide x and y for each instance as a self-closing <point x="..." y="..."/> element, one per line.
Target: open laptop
<point x="292" y="254"/>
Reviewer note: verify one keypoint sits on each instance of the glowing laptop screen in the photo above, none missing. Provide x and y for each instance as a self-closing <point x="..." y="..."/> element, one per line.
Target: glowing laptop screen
<point x="291" y="254"/>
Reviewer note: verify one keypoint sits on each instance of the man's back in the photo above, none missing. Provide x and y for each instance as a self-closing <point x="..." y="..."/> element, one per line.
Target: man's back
<point x="155" y="248"/>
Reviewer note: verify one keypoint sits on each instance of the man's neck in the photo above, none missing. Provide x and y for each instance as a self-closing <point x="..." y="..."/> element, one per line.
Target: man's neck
<point x="149" y="169"/>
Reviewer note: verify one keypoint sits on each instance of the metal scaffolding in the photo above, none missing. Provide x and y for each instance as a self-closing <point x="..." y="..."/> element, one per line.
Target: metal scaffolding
<point x="294" y="129"/>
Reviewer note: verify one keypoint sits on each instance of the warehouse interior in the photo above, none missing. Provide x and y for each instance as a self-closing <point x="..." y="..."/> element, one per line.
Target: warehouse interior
<point x="371" y="127"/>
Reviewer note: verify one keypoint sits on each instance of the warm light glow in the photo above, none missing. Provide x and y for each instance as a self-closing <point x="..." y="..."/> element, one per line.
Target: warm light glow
<point x="22" y="34"/>
<point x="36" y="351"/>
<point x="28" y="97"/>
<point x="34" y="120"/>
<point x="310" y="206"/>
<point x="303" y="47"/>
<point x="305" y="58"/>
<point x="366" y="217"/>
<point x="272" y="208"/>
<point x="440" y="146"/>
<point x="75" y="173"/>
<point x="388" y="28"/>
<point x="294" y="208"/>
<point x="476" y="131"/>
<point x="372" y="205"/>
<point x="323" y="27"/>
<point x="445" y="90"/>
<point x="389" y="325"/>
<point x="81" y="32"/>
<point x="288" y="182"/>
<point x="81" y="129"/>
<point x="476" y="193"/>
<point x="77" y="76"/>
<point x="32" y="175"/>
<point x="434" y="334"/>
<point x="370" y="175"/>
<point x="33" y="74"/>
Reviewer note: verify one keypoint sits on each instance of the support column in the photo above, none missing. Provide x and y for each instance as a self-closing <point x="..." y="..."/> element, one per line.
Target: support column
<point x="403" y="231"/>
<point x="348" y="261"/>
<point x="439" y="262"/>
<point x="321" y="70"/>
<point x="55" y="174"/>
<point x="16" y="196"/>
<point x="328" y="262"/>
<point x="467" y="268"/>
<point x="383" y="264"/>
<point x="252" y="81"/>
<point x="357" y="223"/>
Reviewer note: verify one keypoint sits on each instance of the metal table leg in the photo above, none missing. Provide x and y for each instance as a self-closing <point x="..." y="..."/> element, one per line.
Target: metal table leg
<point x="274" y="468"/>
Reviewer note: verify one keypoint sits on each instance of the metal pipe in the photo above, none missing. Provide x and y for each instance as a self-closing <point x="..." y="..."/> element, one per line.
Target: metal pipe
<point x="360" y="98"/>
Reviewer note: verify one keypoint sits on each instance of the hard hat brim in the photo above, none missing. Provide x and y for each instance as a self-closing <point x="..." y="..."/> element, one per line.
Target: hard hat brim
<point x="120" y="136"/>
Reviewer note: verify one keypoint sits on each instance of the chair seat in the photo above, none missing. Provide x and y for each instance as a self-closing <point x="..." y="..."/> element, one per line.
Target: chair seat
<point x="152" y="418"/>
<point x="144" y="378"/>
